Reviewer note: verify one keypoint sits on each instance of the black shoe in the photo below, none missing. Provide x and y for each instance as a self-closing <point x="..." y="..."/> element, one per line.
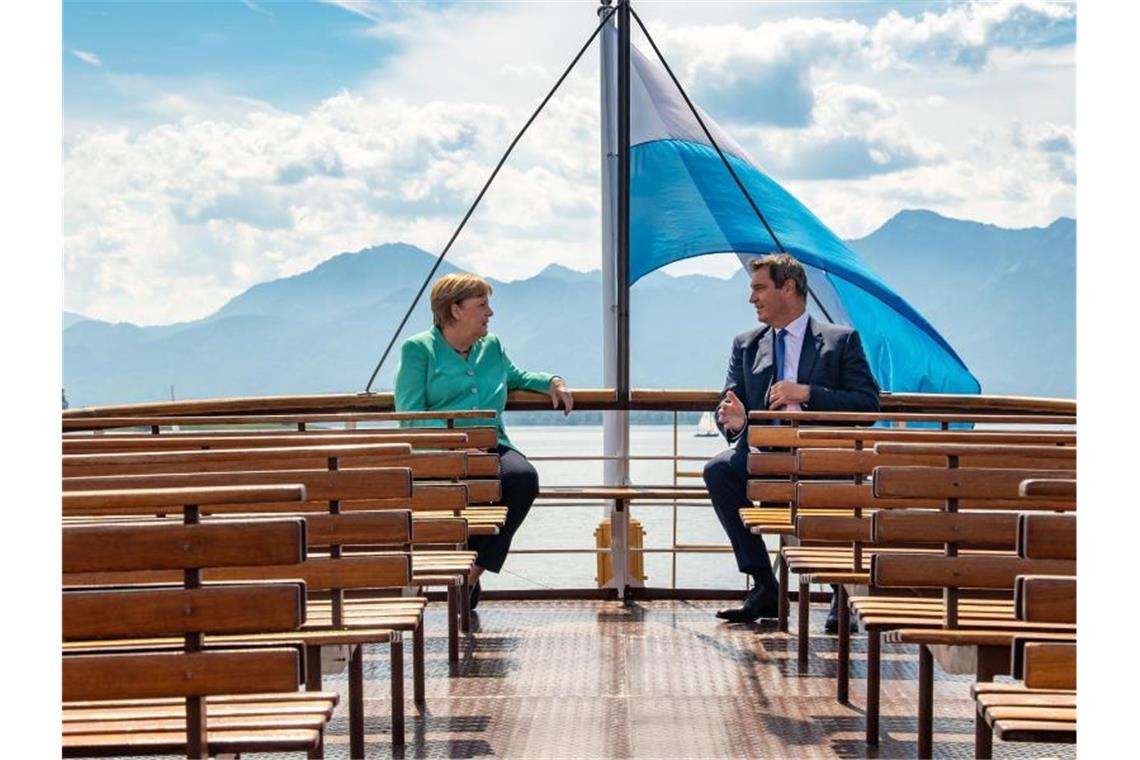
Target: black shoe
<point x="761" y="602"/>
<point x="476" y="590"/>
<point x="832" y="623"/>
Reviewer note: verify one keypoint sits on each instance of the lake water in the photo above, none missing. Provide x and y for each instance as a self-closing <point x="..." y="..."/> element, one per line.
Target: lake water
<point x="572" y="527"/>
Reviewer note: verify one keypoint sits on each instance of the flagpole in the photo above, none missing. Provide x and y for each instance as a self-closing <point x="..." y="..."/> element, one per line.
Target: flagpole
<point x="615" y="371"/>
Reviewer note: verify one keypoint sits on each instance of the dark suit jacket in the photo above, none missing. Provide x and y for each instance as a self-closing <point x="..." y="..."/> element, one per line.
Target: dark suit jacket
<point x="832" y="362"/>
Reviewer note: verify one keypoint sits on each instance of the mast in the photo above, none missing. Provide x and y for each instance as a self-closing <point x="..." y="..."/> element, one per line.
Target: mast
<point x="615" y="425"/>
<point x="615" y="270"/>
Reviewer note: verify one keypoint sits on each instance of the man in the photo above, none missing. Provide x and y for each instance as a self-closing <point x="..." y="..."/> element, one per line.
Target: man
<point x="791" y="362"/>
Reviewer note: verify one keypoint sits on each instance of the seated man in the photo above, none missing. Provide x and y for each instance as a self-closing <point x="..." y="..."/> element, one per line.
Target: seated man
<point x="791" y="362"/>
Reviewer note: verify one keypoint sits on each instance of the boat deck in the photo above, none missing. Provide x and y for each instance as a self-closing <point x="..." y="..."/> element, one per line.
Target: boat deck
<point x="658" y="679"/>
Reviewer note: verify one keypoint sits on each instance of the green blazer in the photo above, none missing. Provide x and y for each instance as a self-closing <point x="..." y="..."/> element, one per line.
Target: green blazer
<point x="434" y="377"/>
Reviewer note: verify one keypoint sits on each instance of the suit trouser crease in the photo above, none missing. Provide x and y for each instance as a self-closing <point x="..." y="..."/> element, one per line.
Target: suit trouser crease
<point x="726" y="476"/>
<point x="519" y="483"/>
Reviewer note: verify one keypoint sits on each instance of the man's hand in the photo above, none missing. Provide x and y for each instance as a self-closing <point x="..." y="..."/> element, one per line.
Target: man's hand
<point x="731" y="413"/>
<point x="560" y="394"/>
<point x="786" y="392"/>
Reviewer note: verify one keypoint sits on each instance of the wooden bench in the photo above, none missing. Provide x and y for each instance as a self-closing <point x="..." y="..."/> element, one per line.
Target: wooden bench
<point x="330" y="572"/>
<point x="838" y="512"/>
<point x="1044" y="707"/>
<point x="197" y="699"/>
<point x="775" y="471"/>
<point x="427" y="499"/>
<point x="956" y="639"/>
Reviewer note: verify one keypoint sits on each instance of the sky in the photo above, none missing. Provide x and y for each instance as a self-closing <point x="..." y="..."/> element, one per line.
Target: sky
<point x="210" y="146"/>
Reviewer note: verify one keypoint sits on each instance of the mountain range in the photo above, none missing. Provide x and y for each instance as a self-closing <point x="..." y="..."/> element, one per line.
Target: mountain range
<point x="1004" y="298"/>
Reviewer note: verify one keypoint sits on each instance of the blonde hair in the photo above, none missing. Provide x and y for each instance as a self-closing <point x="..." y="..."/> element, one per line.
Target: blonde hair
<point x="452" y="289"/>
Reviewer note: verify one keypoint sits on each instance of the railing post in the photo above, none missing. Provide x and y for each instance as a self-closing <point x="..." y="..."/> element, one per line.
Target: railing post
<point x="619" y="545"/>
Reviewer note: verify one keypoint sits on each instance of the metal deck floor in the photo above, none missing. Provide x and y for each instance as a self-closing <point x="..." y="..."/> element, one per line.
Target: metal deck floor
<point x="660" y="679"/>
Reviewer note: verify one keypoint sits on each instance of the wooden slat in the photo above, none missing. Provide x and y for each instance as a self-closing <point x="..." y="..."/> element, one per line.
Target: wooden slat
<point x="822" y="461"/>
<point x="111" y="548"/>
<point x="1051" y="732"/>
<point x="235" y="439"/>
<point x="320" y="484"/>
<point x="482" y="465"/>
<point x="439" y="531"/>
<point x="382" y="570"/>
<point x="996" y="530"/>
<point x="868" y="418"/>
<point x="962" y="483"/>
<point x="323" y="574"/>
<point x="384" y="528"/>
<point x="824" y="494"/>
<point x="771" y="490"/>
<point x="818" y="528"/>
<point x="311" y="720"/>
<point x="216" y="707"/>
<point x="995" y="452"/>
<point x="871" y="435"/>
<point x="771" y="463"/>
<point x="483" y="491"/>
<point x="1046" y="599"/>
<point x="1050" y="665"/>
<point x="140" y="499"/>
<point x="901" y="570"/>
<point x="861" y="462"/>
<point x="301" y="457"/>
<point x="238" y="609"/>
<point x="129" y="676"/>
<point x="1051" y="488"/>
<point x="786" y="437"/>
<point x="92" y="419"/>
<point x="1047" y="536"/>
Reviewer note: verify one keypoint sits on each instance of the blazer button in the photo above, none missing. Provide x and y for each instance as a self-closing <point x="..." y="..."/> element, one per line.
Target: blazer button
<point x="471" y="372"/>
<point x="474" y="389"/>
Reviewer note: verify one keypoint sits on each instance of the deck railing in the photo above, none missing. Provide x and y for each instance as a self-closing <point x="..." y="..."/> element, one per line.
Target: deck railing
<point x="353" y="410"/>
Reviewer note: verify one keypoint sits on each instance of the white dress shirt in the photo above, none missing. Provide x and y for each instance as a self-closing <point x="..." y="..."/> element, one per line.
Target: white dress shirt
<point x="793" y="345"/>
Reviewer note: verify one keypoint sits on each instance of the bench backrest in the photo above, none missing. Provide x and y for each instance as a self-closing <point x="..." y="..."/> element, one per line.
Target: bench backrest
<point x="185" y="608"/>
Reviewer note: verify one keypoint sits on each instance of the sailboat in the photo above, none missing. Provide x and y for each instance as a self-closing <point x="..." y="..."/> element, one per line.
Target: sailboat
<point x="706" y="427"/>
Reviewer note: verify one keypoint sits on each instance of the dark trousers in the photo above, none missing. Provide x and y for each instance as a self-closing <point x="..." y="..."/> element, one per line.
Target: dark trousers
<point x="519" y="487"/>
<point x="726" y="476"/>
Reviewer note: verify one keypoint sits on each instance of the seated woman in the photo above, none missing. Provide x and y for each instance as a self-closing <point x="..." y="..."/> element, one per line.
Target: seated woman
<point x="457" y="364"/>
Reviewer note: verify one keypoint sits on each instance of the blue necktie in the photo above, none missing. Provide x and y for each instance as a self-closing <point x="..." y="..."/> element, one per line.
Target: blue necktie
<point x="778" y="362"/>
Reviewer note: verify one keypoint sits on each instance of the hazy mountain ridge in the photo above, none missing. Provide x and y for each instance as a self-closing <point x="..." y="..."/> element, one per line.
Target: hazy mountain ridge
<point x="1005" y="299"/>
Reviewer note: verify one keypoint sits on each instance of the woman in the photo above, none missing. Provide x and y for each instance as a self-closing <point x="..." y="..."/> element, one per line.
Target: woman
<point x="457" y="364"/>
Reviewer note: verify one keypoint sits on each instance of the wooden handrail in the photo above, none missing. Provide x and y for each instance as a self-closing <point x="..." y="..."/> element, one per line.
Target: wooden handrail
<point x="585" y="399"/>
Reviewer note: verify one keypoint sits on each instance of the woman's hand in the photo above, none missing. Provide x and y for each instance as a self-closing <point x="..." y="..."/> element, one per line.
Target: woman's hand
<point x="559" y="393"/>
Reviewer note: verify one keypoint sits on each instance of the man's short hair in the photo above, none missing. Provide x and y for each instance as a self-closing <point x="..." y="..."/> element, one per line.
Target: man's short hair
<point x="452" y="289"/>
<point x="781" y="268"/>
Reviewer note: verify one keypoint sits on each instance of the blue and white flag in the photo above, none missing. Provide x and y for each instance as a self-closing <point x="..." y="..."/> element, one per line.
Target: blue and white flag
<point x="684" y="203"/>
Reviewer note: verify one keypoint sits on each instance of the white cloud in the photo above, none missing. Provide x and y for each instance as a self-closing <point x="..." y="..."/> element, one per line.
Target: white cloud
<point x="172" y="221"/>
<point x="86" y="57"/>
<point x="858" y="119"/>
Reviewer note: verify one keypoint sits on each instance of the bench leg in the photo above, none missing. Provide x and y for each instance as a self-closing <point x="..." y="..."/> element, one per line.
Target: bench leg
<point x="397" y="658"/>
<point x="843" y="673"/>
<point x="989" y="665"/>
<point x="925" y="701"/>
<point x="802" y="640"/>
<point x="983" y="735"/>
<point x="313" y="683"/>
<point x="785" y="597"/>
<point x="356" y="701"/>
<point x="452" y="624"/>
<point x="874" y="651"/>
<point x="465" y="606"/>
<point x="418" y="666"/>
